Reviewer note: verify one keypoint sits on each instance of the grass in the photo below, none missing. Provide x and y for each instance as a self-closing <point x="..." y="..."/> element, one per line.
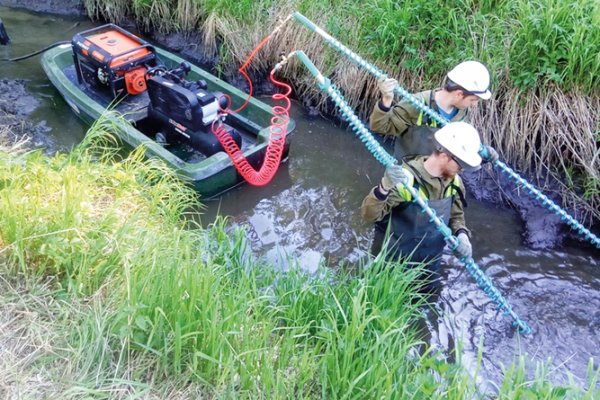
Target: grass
<point x="539" y="43"/>
<point x="106" y="293"/>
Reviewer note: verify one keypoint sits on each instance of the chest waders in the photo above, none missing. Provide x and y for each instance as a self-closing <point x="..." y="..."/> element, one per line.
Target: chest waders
<point x="418" y="140"/>
<point x="412" y="236"/>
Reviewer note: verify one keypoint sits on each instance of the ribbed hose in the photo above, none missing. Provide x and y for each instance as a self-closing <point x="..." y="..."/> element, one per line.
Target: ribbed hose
<point x="274" y="151"/>
<point x="387" y="160"/>
<point x="418" y="104"/>
<point x="549" y="204"/>
<point x="277" y="130"/>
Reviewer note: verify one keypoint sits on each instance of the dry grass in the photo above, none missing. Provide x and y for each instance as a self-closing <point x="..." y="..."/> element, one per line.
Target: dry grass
<point x="9" y="141"/>
<point x="26" y="337"/>
<point x="548" y="134"/>
<point x="116" y="10"/>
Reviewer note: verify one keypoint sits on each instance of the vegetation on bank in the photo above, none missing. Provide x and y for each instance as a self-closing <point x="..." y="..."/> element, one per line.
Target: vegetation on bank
<point x="106" y="292"/>
<point x="537" y="43"/>
<point x="544" y="56"/>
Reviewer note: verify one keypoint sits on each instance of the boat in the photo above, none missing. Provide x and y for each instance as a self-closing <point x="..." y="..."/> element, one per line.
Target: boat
<point x="90" y="84"/>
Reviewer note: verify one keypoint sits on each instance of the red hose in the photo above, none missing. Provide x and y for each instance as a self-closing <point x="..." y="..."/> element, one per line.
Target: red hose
<point x="274" y="151"/>
<point x="278" y="128"/>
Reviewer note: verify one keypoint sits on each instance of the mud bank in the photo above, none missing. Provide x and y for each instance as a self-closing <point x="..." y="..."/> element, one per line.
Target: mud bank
<point x="542" y="229"/>
<point x="15" y="106"/>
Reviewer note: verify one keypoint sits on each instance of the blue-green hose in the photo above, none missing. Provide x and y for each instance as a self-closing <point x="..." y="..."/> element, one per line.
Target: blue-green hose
<point x="418" y="104"/>
<point x="387" y="160"/>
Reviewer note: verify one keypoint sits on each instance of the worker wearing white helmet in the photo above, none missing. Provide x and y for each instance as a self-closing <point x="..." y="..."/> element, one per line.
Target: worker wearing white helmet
<point x="465" y="85"/>
<point x="435" y="177"/>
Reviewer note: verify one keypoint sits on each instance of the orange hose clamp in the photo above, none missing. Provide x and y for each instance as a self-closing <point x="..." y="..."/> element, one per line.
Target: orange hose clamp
<point x="135" y="81"/>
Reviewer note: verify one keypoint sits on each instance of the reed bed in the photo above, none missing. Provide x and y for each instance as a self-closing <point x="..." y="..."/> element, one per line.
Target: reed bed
<point x="107" y="293"/>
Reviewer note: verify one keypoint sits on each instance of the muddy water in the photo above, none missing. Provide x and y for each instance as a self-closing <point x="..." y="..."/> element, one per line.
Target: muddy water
<point x="310" y="212"/>
<point x="30" y="32"/>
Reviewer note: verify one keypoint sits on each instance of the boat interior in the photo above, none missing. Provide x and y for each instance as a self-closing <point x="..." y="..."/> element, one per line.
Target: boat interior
<point x="137" y="110"/>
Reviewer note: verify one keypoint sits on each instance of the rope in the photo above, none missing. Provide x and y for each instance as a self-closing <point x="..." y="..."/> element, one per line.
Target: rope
<point x="418" y="104"/>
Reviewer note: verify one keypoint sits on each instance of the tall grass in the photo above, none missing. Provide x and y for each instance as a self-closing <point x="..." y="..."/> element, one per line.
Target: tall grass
<point x="71" y="218"/>
<point x="108" y="294"/>
<point x="206" y="308"/>
<point x="556" y="42"/>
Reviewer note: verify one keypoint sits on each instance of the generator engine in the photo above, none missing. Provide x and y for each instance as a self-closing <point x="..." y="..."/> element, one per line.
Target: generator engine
<point x="186" y="110"/>
<point x="108" y="58"/>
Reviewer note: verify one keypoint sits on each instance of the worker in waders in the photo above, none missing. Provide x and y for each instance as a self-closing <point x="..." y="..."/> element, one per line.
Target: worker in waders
<point x="465" y="85"/>
<point x="409" y="233"/>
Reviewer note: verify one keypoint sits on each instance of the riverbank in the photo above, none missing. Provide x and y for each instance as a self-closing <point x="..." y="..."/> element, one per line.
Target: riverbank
<point x="15" y="127"/>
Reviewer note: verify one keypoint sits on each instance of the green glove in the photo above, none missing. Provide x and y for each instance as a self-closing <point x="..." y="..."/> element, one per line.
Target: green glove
<point x="392" y="177"/>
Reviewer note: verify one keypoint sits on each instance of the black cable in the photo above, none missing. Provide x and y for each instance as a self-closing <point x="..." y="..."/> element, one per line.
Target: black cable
<point x="35" y="53"/>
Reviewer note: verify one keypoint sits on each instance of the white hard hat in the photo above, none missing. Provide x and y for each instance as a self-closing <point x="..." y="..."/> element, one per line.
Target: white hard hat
<point x="462" y="141"/>
<point x="472" y="76"/>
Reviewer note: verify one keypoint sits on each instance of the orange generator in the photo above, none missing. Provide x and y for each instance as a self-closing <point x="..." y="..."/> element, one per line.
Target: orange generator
<point x="110" y="58"/>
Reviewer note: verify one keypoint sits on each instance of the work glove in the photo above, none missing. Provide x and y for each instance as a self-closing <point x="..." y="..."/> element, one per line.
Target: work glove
<point x="386" y="87"/>
<point x="392" y="177"/>
<point x="491" y="155"/>
<point x="464" y="249"/>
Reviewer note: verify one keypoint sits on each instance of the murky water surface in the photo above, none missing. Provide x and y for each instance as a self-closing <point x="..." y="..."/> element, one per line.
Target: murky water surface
<point x="311" y="212"/>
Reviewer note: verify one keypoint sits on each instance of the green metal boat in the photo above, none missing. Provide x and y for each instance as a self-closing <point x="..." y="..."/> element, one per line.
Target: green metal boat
<point x="210" y="174"/>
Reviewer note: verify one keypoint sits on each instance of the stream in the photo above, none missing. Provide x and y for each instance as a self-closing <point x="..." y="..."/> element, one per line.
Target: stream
<point x="310" y="213"/>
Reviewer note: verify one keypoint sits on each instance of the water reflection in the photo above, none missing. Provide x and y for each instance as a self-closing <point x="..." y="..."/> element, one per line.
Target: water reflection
<point x="556" y="292"/>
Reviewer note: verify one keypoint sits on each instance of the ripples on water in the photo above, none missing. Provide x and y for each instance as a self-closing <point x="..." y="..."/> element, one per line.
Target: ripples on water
<point x="313" y="215"/>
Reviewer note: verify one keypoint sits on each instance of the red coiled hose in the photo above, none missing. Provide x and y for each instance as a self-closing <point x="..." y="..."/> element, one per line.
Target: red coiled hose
<point x="278" y="128"/>
<point x="274" y="151"/>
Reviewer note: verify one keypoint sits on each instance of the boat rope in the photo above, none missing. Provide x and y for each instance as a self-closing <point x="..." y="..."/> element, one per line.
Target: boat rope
<point x="418" y="104"/>
<point x="35" y="53"/>
<point x="388" y="160"/>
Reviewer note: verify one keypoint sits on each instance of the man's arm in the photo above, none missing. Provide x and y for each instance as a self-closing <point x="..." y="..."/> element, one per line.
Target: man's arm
<point x="377" y="204"/>
<point x="457" y="215"/>
<point x="396" y="119"/>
